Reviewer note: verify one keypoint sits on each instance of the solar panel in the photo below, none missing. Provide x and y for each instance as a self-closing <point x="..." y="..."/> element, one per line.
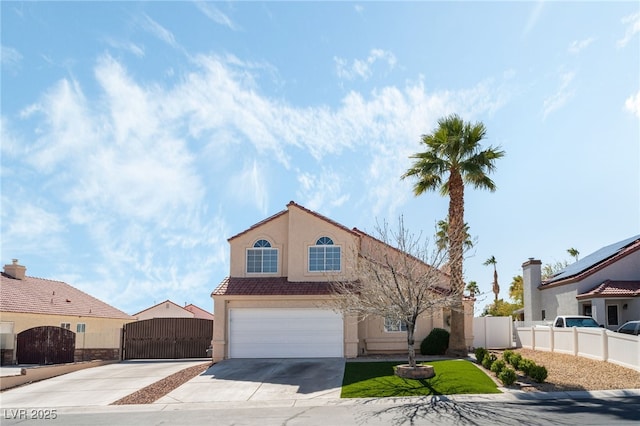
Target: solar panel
<point x="592" y="259"/>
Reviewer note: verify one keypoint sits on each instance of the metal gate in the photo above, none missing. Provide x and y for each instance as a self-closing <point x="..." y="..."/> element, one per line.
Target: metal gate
<point x="167" y="338"/>
<point x="46" y="345"/>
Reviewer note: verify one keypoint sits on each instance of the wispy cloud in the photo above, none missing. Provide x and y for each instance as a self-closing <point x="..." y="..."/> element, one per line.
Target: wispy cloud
<point x="363" y="68"/>
<point x="534" y="16"/>
<point x="128" y="46"/>
<point x="250" y="186"/>
<point x="322" y="191"/>
<point x="216" y="15"/>
<point x="158" y="31"/>
<point x="632" y="104"/>
<point x="141" y="163"/>
<point x="561" y="96"/>
<point x="632" y="22"/>
<point x="577" y="46"/>
<point x="10" y="57"/>
<point x="30" y="229"/>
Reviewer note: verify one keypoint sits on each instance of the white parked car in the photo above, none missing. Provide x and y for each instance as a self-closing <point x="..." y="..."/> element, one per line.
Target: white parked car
<point x="630" y="327"/>
<point x="574" y="321"/>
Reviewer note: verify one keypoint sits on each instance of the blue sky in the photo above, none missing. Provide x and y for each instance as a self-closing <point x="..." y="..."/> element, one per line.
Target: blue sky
<point x="137" y="137"/>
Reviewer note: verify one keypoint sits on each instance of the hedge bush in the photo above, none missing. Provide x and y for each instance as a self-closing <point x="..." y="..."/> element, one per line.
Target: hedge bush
<point x="538" y="373"/>
<point x="525" y="365"/>
<point x="507" y="376"/>
<point x="480" y="353"/>
<point x="497" y="366"/>
<point x="436" y="343"/>
<point x="514" y="360"/>
<point x="506" y="355"/>
<point x="488" y="361"/>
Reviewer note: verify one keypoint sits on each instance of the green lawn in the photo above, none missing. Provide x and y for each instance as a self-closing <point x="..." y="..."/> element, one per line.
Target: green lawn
<point x="377" y="379"/>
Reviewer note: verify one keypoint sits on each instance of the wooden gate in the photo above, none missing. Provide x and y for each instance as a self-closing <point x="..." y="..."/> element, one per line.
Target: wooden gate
<point x="46" y="345"/>
<point x="167" y="338"/>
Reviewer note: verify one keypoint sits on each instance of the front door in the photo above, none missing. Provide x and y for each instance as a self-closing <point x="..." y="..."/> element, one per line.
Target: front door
<point x="612" y="315"/>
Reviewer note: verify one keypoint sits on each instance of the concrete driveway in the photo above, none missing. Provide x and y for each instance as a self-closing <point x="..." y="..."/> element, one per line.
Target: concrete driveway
<point x="97" y="386"/>
<point x="263" y="380"/>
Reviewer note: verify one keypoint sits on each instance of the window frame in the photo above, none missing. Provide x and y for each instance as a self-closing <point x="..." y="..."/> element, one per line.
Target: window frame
<point x="65" y="325"/>
<point x="262" y="249"/>
<point x="394" y="326"/>
<point x="322" y="245"/>
<point x="81" y="327"/>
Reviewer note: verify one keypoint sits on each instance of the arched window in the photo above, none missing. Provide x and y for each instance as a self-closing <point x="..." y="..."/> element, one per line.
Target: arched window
<point x="262" y="258"/>
<point x="324" y="256"/>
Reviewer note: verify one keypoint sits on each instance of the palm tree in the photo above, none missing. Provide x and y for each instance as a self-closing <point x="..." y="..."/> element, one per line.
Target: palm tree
<point x="473" y="288"/>
<point x="496" y="288"/>
<point x="442" y="235"/>
<point x="453" y="158"/>
<point x="573" y="253"/>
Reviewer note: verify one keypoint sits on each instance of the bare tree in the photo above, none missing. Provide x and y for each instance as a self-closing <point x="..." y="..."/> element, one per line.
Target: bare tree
<point x="395" y="276"/>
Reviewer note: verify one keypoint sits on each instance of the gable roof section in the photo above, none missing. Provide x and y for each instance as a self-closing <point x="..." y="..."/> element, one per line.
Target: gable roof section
<point x="49" y="297"/>
<point x="157" y="305"/>
<point x="613" y="289"/>
<point x="271" y="286"/>
<point x="283" y="212"/>
<point x="595" y="261"/>
<point x="199" y="312"/>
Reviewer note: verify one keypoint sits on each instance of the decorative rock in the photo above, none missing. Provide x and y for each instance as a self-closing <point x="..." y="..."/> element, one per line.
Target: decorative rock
<point x="419" y="372"/>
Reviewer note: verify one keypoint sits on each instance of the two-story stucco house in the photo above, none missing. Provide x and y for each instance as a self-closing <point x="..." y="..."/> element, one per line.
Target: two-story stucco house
<point x="274" y="302"/>
<point x="604" y="285"/>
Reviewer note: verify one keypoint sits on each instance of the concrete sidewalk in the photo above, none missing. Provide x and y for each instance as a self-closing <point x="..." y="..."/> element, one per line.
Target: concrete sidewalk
<point x="98" y="386"/>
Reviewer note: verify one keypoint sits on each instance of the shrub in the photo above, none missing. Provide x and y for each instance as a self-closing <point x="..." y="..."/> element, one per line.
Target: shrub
<point x="488" y="361"/>
<point x="514" y="360"/>
<point x="436" y="343"/>
<point x="538" y="373"/>
<point x="507" y="376"/>
<point x="506" y="355"/>
<point x="480" y="354"/>
<point x="526" y="365"/>
<point x="497" y="366"/>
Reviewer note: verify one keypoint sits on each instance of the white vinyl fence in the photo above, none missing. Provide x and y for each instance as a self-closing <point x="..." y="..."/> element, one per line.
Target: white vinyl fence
<point x="492" y="332"/>
<point x="595" y="343"/>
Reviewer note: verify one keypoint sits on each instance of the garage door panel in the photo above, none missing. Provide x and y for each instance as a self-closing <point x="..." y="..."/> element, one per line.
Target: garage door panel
<point x="285" y="333"/>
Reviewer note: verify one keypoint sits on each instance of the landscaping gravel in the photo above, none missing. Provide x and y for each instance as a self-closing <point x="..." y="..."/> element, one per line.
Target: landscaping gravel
<point x="156" y="390"/>
<point x="568" y="372"/>
<point x="565" y="373"/>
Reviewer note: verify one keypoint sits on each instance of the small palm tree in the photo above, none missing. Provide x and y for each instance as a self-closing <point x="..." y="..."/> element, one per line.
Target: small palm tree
<point x="473" y="288"/>
<point x="573" y="253"/>
<point x="442" y="236"/>
<point x="496" y="288"/>
<point x="452" y="158"/>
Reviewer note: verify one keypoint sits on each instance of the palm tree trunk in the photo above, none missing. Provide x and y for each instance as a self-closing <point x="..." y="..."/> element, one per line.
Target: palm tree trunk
<point x="457" y="340"/>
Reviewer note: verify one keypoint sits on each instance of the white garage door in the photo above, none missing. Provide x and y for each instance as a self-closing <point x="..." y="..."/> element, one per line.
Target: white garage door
<point x="285" y="333"/>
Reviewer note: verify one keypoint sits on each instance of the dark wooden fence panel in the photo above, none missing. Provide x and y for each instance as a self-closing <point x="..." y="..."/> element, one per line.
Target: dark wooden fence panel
<point x="167" y="338"/>
<point x="46" y="345"/>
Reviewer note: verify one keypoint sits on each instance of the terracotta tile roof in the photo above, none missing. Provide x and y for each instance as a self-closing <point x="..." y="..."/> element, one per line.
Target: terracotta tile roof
<point x="199" y="312"/>
<point x="270" y="286"/>
<point x="42" y="296"/>
<point x="613" y="289"/>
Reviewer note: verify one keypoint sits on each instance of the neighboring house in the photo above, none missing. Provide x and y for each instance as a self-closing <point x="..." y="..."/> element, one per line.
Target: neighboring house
<point x="199" y="312"/>
<point x="604" y="285"/>
<point x="168" y="309"/>
<point x="27" y="303"/>
<point x="274" y="303"/>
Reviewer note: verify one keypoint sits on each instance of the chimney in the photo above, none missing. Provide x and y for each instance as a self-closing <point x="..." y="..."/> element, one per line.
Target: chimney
<point x="15" y="270"/>
<point x="531" y="280"/>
